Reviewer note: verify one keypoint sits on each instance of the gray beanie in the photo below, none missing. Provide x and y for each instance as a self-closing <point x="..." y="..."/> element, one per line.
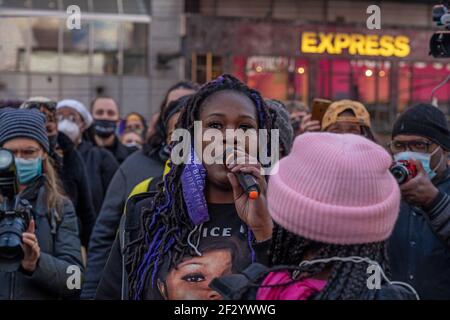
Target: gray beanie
<point x="23" y="123"/>
<point x="283" y="123"/>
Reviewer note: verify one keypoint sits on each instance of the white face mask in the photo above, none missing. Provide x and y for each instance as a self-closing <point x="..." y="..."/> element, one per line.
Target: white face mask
<point x="70" y="129"/>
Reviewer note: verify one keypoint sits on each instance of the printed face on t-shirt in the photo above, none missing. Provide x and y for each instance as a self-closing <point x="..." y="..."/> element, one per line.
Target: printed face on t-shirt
<point x="190" y="279"/>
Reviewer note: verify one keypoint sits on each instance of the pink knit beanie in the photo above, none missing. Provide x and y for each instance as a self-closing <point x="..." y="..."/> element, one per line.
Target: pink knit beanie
<point x="335" y="188"/>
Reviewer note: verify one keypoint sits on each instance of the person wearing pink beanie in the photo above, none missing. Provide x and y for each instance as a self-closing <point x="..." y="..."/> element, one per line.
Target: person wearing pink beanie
<point x="334" y="204"/>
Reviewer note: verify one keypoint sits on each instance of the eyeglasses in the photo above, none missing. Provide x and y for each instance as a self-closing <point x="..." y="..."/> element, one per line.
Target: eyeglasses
<point x="70" y="117"/>
<point x="29" y="153"/>
<point x="415" y="146"/>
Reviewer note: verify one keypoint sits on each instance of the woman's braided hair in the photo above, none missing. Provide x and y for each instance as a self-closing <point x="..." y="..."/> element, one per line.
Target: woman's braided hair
<point x="347" y="280"/>
<point x="166" y="224"/>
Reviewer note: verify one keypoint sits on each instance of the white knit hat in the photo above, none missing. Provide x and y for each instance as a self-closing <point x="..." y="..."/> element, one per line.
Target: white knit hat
<point x="78" y="107"/>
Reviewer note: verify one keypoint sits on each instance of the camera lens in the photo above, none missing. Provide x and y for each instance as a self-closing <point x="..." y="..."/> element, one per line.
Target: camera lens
<point x="400" y="173"/>
<point x="6" y="159"/>
<point x="11" y="252"/>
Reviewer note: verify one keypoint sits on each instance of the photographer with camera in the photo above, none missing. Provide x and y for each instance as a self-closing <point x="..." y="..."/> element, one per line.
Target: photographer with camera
<point x="39" y="244"/>
<point x="69" y="165"/>
<point x="419" y="247"/>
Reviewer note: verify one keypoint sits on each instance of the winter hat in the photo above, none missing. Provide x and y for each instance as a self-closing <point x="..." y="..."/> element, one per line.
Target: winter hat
<point x="23" y="123"/>
<point x="335" y="188"/>
<point x="424" y="120"/>
<point x="332" y="115"/>
<point x="283" y="123"/>
<point x="78" y="107"/>
<point x="36" y="99"/>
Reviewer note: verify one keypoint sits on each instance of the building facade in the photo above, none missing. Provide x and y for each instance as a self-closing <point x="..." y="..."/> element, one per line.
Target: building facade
<point x="299" y="50"/>
<point x="292" y="50"/>
<point x="114" y="52"/>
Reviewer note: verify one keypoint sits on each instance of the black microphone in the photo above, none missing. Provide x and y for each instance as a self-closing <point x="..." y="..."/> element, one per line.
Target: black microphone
<point x="249" y="184"/>
<point x="247" y="181"/>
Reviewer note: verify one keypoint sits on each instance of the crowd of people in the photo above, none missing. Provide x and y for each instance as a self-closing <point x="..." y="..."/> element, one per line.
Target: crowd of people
<point x="107" y="199"/>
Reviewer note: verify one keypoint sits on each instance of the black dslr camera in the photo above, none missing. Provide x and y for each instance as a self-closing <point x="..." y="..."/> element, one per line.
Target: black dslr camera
<point x="440" y="41"/>
<point x="15" y="215"/>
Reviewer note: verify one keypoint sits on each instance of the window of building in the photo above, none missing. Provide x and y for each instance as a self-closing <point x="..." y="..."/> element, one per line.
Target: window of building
<point x="75" y="50"/>
<point x="135" y="6"/>
<point x="19" y="4"/>
<point x="106" y="47"/>
<point x="301" y="80"/>
<point x="417" y="81"/>
<point x="425" y="77"/>
<point x="44" y="45"/>
<point x="109" y="6"/>
<point x="205" y="67"/>
<point x="282" y="78"/>
<point x="135" y="48"/>
<point x="13" y="44"/>
<point x="404" y="86"/>
<point x="44" y="4"/>
<point x="83" y="4"/>
<point x="269" y="75"/>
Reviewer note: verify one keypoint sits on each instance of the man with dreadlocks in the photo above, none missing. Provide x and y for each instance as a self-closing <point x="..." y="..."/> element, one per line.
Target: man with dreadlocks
<point x="200" y="224"/>
<point x="334" y="204"/>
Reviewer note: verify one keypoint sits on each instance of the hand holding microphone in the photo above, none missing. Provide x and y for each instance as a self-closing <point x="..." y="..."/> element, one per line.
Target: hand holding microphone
<point x="247" y="181"/>
<point x="249" y="188"/>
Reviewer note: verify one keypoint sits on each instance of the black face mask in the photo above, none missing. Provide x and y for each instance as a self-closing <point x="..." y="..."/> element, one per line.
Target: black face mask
<point x="105" y="128"/>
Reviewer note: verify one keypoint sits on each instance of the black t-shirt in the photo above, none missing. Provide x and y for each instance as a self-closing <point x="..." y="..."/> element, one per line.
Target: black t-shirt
<point x="224" y="247"/>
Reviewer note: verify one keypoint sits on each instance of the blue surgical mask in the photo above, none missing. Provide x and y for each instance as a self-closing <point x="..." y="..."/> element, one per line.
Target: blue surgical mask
<point x="425" y="158"/>
<point x="28" y="170"/>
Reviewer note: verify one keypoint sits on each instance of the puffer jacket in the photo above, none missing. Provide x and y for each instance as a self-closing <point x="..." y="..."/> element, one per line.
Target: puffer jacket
<point x="60" y="257"/>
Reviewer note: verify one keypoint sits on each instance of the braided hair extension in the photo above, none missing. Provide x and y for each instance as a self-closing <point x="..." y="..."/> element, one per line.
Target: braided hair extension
<point x="166" y="224"/>
<point x="347" y="280"/>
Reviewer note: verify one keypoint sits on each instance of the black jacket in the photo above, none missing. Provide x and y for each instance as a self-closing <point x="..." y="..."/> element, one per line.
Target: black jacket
<point x="419" y="248"/>
<point x="60" y="249"/>
<point x="136" y="168"/>
<point x="120" y="151"/>
<point x="101" y="167"/>
<point x="73" y="174"/>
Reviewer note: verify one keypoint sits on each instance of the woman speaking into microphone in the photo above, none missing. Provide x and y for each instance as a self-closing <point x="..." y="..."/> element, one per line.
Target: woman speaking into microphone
<point x="201" y="224"/>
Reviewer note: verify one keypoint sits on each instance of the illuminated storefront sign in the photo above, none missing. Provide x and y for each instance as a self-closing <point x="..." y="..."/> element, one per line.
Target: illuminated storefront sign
<point x="355" y="44"/>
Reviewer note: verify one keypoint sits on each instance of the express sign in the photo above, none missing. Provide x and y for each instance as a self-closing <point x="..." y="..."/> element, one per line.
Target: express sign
<point x="355" y="44"/>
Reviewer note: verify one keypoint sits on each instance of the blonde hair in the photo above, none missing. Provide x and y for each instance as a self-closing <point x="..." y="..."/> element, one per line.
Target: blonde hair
<point x="53" y="187"/>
